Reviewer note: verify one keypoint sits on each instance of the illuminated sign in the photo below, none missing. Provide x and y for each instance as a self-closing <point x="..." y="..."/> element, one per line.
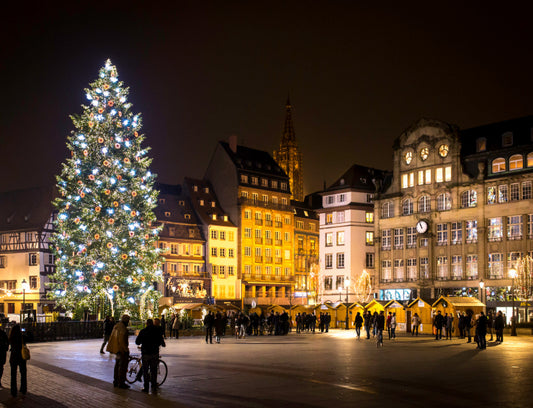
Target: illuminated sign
<point x="395" y="294"/>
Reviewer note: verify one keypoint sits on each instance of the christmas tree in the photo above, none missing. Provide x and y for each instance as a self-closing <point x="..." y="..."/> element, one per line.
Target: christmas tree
<point x="105" y="241"/>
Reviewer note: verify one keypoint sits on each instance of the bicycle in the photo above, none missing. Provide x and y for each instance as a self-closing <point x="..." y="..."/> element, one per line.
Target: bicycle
<point x="135" y="371"/>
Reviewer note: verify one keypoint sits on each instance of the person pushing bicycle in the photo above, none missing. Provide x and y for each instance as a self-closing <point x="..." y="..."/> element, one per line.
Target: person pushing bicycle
<point x="150" y="339"/>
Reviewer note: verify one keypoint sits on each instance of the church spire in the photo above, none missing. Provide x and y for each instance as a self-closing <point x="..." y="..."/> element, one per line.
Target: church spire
<point x="288" y="129"/>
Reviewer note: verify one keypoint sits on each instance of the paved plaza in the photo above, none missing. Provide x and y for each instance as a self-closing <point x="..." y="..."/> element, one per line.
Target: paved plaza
<point x="298" y="370"/>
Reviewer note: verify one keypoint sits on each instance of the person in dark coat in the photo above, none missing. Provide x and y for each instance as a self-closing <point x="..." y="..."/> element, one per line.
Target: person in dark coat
<point x="468" y="326"/>
<point x="219" y="326"/>
<point x="109" y="323"/>
<point x="481" y="331"/>
<point x="150" y="339"/>
<point x="358" y="323"/>
<point x="499" y="324"/>
<point x="368" y="322"/>
<point x="379" y="326"/>
<point x="16" y="339"/>
<point x="327" y="321"/>
<point x="4" y="346"/>
<point x="438" y="322"/>
<point x="209" y="321"/>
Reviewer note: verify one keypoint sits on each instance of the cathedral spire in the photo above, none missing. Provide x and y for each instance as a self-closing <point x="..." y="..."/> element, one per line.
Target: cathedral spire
<point x="288" y="129"/>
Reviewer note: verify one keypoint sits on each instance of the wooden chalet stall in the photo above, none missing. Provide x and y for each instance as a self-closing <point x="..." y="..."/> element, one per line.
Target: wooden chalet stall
<point x="394" y="306"/>
<point x="424" y="311"/>
<point x="352" y="312"/>
<point x="300" y="309"/>
<point x="327" y="308"/>
<point x="376" y="306"/>
<point x="457" y="305"/>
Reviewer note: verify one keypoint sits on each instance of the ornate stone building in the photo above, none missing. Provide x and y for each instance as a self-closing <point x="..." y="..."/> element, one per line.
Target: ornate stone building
<point x="289" y="157"/>
<point x="457" y="216"/>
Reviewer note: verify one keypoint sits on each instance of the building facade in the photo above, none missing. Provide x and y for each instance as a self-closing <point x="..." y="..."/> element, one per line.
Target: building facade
<point x="26" y="260"/>
<point x="254" y="191"/>
<point x="221" y="242"/>
<point x="457" y="216"/>
<point x="289" y="157"/>
<point x="347" y="236"/>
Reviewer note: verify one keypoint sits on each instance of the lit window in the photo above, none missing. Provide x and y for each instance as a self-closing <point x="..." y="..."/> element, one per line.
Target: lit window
<point x="244" y="178"/>
<point x="530" y="159"/>
<point x="411" y="179"/>
<point x="340" y="238"/>
<point x="469" y="199"/>
<point x="516" y="162"/>
<point x="408" y="157"/>
<point x="481" y="144"/>
<point x="428" y="176"/>
<point x="444" y="202"/>
<point x="491" y="195"/>
<point x="448" y="173"/>
<point x="420" y="177"/>
<point x="369" y="217"/>
<point x="405" y="181"/>
<point x="439" y="177"/>
<point x="407" y="207"/>
<point x="424" y="204"/>
<point x="443" y="150"/>
<point x="329" y="239"/>
<point x="424" y="153"/>
<point x="498" y="165"/>
<point x="369" y="238"/>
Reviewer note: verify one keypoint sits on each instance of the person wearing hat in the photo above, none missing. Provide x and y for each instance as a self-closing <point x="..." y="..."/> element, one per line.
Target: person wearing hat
<point x="119" y="345"/>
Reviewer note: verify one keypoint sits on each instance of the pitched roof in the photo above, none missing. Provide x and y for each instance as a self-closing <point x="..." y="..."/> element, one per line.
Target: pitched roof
<point x="359" y="178"/>
<point x="202" y="201"/>
<point x="26" y="209"/>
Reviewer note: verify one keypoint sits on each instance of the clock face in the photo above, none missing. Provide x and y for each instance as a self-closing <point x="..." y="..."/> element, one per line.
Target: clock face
<point x="443" y="150"/>
<point x="424" y="153"/>
<point x="421" y="226"/>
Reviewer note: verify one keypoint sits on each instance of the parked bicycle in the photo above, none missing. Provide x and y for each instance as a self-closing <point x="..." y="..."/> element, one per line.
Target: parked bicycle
<point x="135" y="370"/>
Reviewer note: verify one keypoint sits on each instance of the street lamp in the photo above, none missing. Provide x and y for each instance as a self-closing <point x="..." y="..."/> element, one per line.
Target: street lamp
<point x="481" y="286"/>
<point x="347" y="285"/>
<point x="25" y="287"/>
<point x="512" y="274"/>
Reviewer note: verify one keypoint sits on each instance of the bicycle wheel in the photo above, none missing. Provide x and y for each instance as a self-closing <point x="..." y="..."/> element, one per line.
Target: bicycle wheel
<point x="134" y="368"/>
<point x="162" y="372"/>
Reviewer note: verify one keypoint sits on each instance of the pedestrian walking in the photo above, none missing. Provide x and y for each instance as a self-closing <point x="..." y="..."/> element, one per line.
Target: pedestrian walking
<point x="176" y="326"/>
<point x="389" y="317"/>
<point x="490" y="324"/>
<point x="499" y="324"/>
<point x="118" y="344"/>
<point x="415" y="321"/>
<point x="219" y="326"/>
<point x="109" y="323"/>
<point x="209" y="321"/>
<point x="358" y="323"/>
<point x="449" y="326"/>
<point x="367" y="317"/>
<point x="481" y="331"/>
<point x="393" y="326"/>
<point x="16" y="341"/>
<point x="150" y="339"/>
<point x="468" y="326"/>
<point x="4" y="346"/>
<point x="379" y="327"/>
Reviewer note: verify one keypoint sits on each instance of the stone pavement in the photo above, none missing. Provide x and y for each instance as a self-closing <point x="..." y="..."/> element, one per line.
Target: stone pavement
<point x="299" y="370"/>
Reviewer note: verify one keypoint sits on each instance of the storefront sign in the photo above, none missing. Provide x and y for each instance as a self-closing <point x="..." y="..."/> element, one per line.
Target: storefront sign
<point x="395" y="294"/>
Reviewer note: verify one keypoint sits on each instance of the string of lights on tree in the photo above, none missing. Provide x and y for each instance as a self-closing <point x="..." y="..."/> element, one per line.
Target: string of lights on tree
<point x="105" y="242"/>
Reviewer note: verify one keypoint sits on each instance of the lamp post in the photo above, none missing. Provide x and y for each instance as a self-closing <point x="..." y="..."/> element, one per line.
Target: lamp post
<point x="481" y="286"/>
<point x="25" y="287"/>
<point x="512" y="274"/>
<point x="347" y="286"/>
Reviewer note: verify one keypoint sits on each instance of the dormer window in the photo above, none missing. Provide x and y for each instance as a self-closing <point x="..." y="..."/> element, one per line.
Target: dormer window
<point x="187" y="216"/>
<point x="214" y="216"/>
<point x="195" y="188"/>
<point x="225" y="218"/>
<point x="213" y="204"/>
<point x="481" y="144"/>
<point x="182" y="203"/>
<point x="162" y="201"/>
<point x="507" y="139"/>
<point x="264" y="182"/>
<point x="201" y="202"/>
<point x="284" y="186"/>
<point x="206" y="190"/>
<point x="167" y="213"/>
<point x="498" y="165"/>
<point x="244" y="178"/>
<point x="274" y="183"/>
<point x="255" y="181"/>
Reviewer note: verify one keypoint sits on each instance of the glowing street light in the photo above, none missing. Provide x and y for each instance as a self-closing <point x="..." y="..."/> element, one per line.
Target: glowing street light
<point x="512" y="274"/>
<point x="25" y="287"/>
<point x="481" y="286"/>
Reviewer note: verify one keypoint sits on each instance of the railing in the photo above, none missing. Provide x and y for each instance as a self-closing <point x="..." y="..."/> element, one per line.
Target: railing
<point x="257" y="203"/>
<point x="55" y="331"/>
<point x="258" y="221"/>
<point x="258" y="240"/>
<point x="278" y="242"/>
<point x="268" y="223"/>
<point x="268" y="241"/>
<point x="278" y="224"/>
<point x="268" y="259"/>
<point x="258" y="259"/>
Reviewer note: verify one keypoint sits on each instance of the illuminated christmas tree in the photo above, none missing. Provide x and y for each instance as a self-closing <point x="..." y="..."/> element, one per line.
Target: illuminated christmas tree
<point x="105" y="241"/>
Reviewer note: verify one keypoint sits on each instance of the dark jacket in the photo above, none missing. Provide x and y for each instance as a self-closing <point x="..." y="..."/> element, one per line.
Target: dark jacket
<point x="380" y="322"/>
<point x="150" y="338"/>
<point x="358" y="321"/>
<point x="439" y="321"/>
<point x="499" y="323"/>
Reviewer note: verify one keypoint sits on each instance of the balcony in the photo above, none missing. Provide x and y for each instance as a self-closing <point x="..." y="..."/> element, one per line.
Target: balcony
<point x="258" y="221"/>
<point x="278" y="260"/>
<point x="278" y="242"/>
<point x="268" y="223"/>
<point x="268" y="241"/>
<point x="278" y="224"/>
<point x="268" y="259"/>
<point x="258" y="259"/>
<point x="257" y="203"/>
<point x="258" y="240"/>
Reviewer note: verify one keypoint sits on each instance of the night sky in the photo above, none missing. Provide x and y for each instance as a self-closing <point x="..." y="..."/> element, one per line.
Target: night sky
<point x="358" y="75"/>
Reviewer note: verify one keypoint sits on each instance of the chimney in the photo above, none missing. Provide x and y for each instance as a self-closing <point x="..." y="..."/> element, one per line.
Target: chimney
<point x="233" y="143"/>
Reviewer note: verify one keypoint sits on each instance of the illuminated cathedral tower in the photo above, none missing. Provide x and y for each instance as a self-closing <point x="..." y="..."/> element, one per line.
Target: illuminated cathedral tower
<point x="289" y="157"/>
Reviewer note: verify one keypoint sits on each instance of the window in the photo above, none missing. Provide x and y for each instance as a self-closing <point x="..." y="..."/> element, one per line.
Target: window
<point x="274" y="183"/>
<point x="530" y="225"/>
<point x="387" y="210"/>
<point x="329" y="218"/>
<point x="457" y="233"/>
<point x="442" y="234"/>
<point x="300" y="225"/>
<point x="340" y="283"/>
<point x="244" y="178"/>
<point x="287" y="254"/>
<point x="340" y="260"/>
<point x="495" y="227"/>
<point x="32" y="259"/>
<point x="329" y="239"/>
<point x="514" y="227"/>
<point x="502" y="193"/>
<point x="448" y="173"/>
<point x="457" y="267"/>
<point x="328" y="259"/>
<point x="530" y="159"/>
<point x="491" y="195"/>
<point x="398" y="238"/>
<point x="424" y="204"/>
<point x="340" y="238"/>
<point x="515" y="192"/>
<point x="369" y="217"/>
<point x="231" y="253"/>
<point x="471" y="231"/>
<point x="411" y="269"/>
<point x="214" y="234"/>
<point x="526" y="190"/>
<point x="214" y="251"/>
<point x="468" y="199"/>
<point x="420" y="177"/>
<point x="340" y="216"/>
<point x="442" y="267"/>
<point x="481" y="144"/>
<point x="444" y="202"/>
<point x="369" y="237"/>
<point x="399" y="272"/>
<point x="428" y="176"/>
<point x="222" y="252"/>
<point x="231" y="270"/>
<point x="516" y="162"/>
<point x="287" y="237"/>
<point x="370" y="198"/>
<point x="247" y="214"/>
<point x="507" y="139"/>
<point x="3" y="261"/>
<point x="244" y="194"/>
<point x="264" y="199"/>
<point x="424" y="153"/>
<point x="424" y="268"/>
<point x="342" y="198"/>
<point x="287" y="221"/>
<point x="248" y="270"/>
<point x="328" y="282"/>
<point x="407" y="207"/>
<point x="174" y="249"/>
<point x="264" y="182"/>
<point x="255" y="181"/>
<point x="231" y="236"/>
<point x="330" y="199"/>
<point x="471" y="266"/>
<point x="408" y="157"/>
<point x="411" y="237"/>
<point x="386" y="272"/>
<point x="247" y="233"/>
<point x="369" y="263"/>
<point x="386" y="239"/>
<point x="247" y="251"/>
<point x="498" y="165"/>
<point x="439" y="175"/>
<point x="512" y="260"/>
<point x="443" y="150"/>
<point x="284" y="186"/>
<point x="496" y="266"/>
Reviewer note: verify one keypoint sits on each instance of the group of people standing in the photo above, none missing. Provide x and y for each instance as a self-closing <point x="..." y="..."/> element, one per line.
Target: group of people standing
<point x="14" y="342"/>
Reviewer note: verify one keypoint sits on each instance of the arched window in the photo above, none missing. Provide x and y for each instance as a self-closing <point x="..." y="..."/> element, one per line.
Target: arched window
<point x="387" y="210"/>
<point x="498" y="165"/>
<point x="444" y="202"/>
<point x="516" y="161"/>
<point x="424" y="204"/>
<point x="530" y="159"/>
<point x="469" y="199"/>
<point x="407" y="207"/>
